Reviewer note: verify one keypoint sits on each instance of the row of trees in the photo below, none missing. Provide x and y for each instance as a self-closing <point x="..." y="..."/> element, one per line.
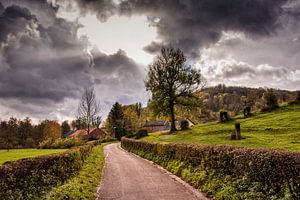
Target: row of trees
<point x="16" y="133"/>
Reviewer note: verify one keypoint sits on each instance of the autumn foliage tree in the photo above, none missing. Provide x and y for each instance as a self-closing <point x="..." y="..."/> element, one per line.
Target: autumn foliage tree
<point x="171" y="82"/>
<point x="52" y="130"/>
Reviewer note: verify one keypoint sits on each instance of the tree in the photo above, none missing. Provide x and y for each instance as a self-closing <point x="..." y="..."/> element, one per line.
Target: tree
<point x="115" y="120"/>
<point x="270" y="99"/>
<point x="171" y="82"/>
<point x="25" y="131"/>
<point x="65" y="128"/>
<point x="5" y="135"/>
<point x="138" y="109"/>
<point x="131" y="118"/>
<point x="88" y="109"/>
<point x="78" y="124"/>
<point x="52" y="131"/>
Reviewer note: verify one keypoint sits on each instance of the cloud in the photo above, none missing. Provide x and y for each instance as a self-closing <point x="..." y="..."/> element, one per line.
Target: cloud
<point x="44" y="64"/>
<point x="121" y="78"/>
<point x="103" y="8"/>
<point x="233" y="72"/>
<point x="192" y="24"/>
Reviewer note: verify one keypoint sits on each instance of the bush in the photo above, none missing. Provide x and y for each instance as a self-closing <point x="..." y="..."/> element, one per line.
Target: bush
<point x="226" y="170"/>
<point x="32" y="178"/>
<point x="270" y="99"/>
<point x="83" y="185"/>
<point x="184" y="124"/>
<point x="141" y="133"/>
<point x="60" y="143"/>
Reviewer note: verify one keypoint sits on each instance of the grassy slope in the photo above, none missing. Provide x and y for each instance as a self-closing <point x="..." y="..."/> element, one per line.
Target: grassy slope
<point x="84" y="185"/>
<point x="277" y="129"/>
<point x="16" y="154"/>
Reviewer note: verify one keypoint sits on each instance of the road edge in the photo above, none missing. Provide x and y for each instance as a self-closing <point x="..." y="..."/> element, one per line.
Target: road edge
<point x="193" y="190"/>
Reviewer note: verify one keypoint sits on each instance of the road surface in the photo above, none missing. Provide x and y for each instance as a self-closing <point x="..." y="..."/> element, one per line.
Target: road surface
<point x="129" y="177"/>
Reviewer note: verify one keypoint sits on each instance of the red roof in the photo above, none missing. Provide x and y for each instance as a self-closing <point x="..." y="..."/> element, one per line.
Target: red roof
<point x="81" y="132"/>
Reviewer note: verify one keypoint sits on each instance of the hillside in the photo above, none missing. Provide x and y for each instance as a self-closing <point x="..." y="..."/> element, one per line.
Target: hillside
<point x="276" y="129"/>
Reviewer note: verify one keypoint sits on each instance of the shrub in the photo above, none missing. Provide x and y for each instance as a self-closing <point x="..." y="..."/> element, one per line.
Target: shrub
<point x="141" y="133"/>
<point x="31" y="178"/>
<point x="270" y="99"/>
<point x="60" y="143"/>
<point x="223" y="170"/>
<point x="83" y="185"/>
<point x="184" y="124"/>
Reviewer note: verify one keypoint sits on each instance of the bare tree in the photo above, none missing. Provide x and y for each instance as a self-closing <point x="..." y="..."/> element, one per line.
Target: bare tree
<point x="89" y="109"/>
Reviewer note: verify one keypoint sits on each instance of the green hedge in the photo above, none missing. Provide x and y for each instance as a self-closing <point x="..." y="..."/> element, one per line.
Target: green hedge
<point x="60" y="143"/>
<point x="32" y="178"/>
<point x="227" y="172"/>
<point x="83" y="185"/>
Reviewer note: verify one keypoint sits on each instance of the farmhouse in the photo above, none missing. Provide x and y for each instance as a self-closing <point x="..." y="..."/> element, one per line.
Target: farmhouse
<point x="95" y="134"/>
<point x="153" y="126"/>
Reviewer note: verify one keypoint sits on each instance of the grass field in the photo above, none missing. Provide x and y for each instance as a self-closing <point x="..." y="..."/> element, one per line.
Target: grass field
<point x="16" y="154"/>
<point x="276" y="129"/>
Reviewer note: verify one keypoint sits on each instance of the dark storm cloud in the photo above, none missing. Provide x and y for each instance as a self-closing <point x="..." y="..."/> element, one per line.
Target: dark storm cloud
<point x="192" y="24"/>
<point x="121" y="78"/>
<point x="44" y="63"/>
<point x="114" y="63"/>
<point x="103" y="8"/>
<point x="153" y="47"/>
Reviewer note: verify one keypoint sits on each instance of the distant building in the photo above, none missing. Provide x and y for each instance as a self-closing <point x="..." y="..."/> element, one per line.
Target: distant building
<point x="95" y="134"/>
<point x="191" y="123"/>
<point x="154" y="126"/>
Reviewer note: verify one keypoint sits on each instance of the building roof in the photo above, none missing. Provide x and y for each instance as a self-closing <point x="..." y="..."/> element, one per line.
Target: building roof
<point x="156" y="123"/>
<point x="81" y="132"/>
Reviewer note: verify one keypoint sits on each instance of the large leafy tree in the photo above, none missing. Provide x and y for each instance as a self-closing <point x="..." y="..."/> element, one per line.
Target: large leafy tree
<point x="171" y="82"/>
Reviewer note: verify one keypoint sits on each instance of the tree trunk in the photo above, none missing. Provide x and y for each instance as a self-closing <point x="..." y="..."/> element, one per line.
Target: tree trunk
<point x="173" y="125"/>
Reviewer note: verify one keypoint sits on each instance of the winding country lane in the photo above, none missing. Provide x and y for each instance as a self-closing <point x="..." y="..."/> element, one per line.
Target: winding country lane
<point x="128" y="177"/>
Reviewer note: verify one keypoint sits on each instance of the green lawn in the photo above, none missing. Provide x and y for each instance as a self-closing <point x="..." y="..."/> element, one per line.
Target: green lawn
<point x="16" y="154"/>
<point x="277" y="129"/>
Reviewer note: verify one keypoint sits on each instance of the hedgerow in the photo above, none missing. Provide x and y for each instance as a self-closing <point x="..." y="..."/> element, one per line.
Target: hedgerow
<point x="84" y="184"/>
<point x="32" y="178"/>
<point x="60" y="143"/>
<point x="227" y="172"/>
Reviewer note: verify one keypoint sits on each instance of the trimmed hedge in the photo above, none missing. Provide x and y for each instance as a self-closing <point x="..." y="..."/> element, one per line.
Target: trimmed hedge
<point x="32" y="178"/>
<point x="227" y="171"/>
<point x="60" y="143"/>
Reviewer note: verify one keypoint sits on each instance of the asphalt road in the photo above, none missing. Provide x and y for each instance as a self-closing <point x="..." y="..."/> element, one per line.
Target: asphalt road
<point x="129" y="177"/>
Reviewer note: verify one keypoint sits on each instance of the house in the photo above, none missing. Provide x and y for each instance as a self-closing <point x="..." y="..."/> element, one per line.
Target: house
<point x="191" y="123"/>
<point x="154" y="126"/>
<point x="95" y="134"/>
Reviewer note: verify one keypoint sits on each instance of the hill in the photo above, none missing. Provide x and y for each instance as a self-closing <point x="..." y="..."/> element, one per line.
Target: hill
<point x="277" y="129"/>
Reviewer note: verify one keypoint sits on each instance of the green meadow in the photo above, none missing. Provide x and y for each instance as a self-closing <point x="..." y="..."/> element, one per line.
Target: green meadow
<point x="277" y="129"/>
<point x="16" y="154"/>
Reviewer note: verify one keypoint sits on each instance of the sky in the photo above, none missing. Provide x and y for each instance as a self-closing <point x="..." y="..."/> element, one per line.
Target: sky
<point x="51" y="50"/>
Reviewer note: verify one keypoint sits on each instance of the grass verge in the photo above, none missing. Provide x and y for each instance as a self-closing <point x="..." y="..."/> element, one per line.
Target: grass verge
<point x="16" y="154"/>
<point x="84" y="185"/>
